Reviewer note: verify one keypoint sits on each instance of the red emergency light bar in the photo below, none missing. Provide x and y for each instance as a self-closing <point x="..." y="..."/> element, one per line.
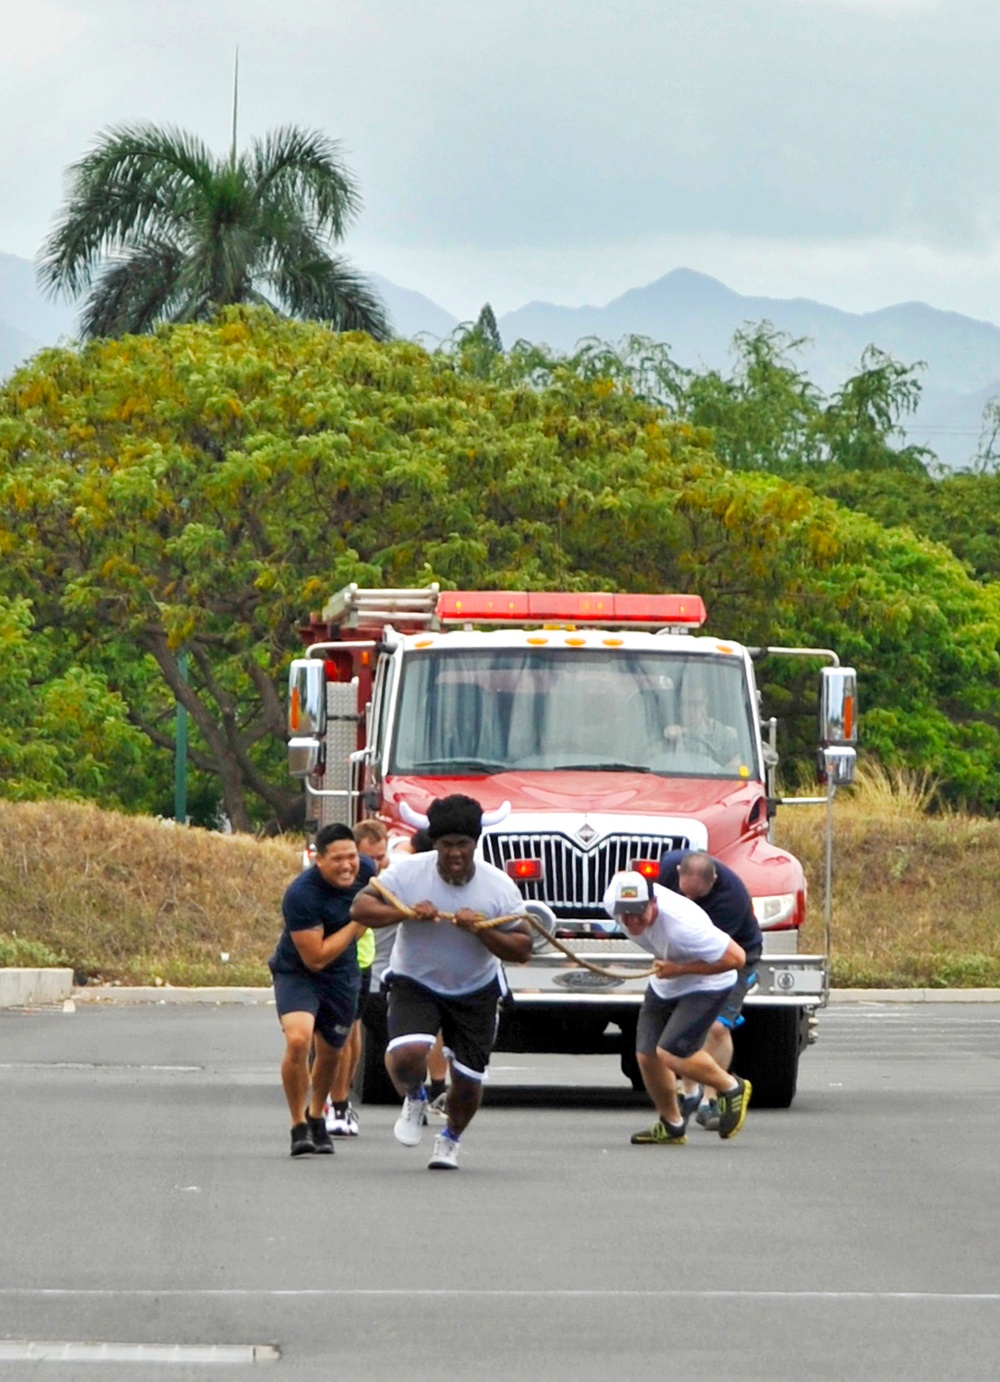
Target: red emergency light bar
<point x="568" y="607"/>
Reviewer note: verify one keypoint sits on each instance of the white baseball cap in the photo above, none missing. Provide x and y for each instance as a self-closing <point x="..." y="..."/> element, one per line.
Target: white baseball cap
<point x="629" y="893"/>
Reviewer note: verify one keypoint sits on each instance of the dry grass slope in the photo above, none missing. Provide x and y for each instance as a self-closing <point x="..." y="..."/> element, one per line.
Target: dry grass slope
<point x="916" y="897"/>
<point x="137" y="899"/>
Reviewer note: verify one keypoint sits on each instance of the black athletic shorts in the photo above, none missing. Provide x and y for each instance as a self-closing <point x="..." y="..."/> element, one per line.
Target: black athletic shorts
<point x="468" y="1023"/>
<point x="678" y="1025"/>
<point x="332" y="1005"/>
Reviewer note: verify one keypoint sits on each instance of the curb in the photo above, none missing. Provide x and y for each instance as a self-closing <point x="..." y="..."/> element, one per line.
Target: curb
<point x="165" y="993"/>
<point x="914" y="996"/>
<point x="30" y="988"/>
<point x="115" y="993"/>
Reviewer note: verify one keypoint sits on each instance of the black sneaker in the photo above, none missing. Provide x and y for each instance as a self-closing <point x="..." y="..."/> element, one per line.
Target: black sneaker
<point x="321" y="1139"/>
<point x="302" y="1140"/>
<point x="733" y="1105"/>
<point x="661" y="1134"/>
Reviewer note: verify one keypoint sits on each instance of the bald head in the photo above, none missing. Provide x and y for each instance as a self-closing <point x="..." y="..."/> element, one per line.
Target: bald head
<point x="696" y="876"/>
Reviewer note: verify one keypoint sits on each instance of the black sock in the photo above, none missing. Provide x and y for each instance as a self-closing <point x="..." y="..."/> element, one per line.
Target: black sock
<point x="435" y="1089"/>
<point x="340" y="1107"/>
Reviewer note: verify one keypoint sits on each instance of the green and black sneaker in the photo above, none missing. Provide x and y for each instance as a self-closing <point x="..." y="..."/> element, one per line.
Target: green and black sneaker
<point x="733" y="1105"/>
<point x="661" y="1135"/>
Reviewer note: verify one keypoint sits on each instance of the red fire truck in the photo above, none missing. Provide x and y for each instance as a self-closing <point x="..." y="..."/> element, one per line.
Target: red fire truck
<point x="608" y="729"/>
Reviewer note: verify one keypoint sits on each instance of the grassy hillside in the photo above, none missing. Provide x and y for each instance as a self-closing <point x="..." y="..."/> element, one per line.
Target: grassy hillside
<point x="139" y="900"/>
<point x="915" y="896"/>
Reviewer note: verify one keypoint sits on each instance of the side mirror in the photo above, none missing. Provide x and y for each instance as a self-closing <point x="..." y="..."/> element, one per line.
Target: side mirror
<point x="836" y="765"/>
<point x="303" y="757"/>
<point x="838" y="706"/>
<point x="306" y="698"/>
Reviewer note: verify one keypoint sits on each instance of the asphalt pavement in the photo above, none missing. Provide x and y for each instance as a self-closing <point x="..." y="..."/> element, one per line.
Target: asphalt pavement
<point x="151" y="1207"/>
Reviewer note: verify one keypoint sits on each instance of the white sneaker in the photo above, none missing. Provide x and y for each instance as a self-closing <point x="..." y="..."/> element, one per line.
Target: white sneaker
<point x="347" y="1126"/>
<point x="409" y="1126"/>
<point x="445" y="1154"/>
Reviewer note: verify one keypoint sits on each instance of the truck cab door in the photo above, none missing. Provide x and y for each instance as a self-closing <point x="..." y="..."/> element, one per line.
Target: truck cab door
<point x="377" y="721"/>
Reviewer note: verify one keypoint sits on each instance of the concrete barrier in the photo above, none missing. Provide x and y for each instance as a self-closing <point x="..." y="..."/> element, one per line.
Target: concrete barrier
<point x="31" y="988"/>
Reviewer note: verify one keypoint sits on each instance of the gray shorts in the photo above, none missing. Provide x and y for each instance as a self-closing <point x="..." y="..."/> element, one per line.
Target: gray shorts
<point x="677" y="1025"/>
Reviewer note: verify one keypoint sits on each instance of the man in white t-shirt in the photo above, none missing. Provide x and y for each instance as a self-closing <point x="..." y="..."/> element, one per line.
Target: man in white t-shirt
<point x="443" y="973"/>
<point x="694" y="970"/>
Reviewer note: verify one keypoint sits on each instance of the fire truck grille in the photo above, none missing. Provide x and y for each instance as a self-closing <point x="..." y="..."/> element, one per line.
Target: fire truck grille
<point x="574" y="879"/>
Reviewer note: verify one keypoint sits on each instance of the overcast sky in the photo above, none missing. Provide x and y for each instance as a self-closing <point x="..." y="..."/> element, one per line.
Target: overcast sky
<point x="507" y="150"/>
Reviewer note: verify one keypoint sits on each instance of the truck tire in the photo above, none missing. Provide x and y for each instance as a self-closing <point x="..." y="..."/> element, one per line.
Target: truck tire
<point x="629" y="1062"/>
<point x="630" y="1069"/>
<point x="371" y="1082"/>
<point x="766" y="1052"/>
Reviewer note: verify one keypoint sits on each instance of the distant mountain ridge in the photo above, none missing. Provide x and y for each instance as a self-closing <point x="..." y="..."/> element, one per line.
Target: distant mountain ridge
<point x="696" y="317"/>
<point x="693" y="314"/>
<point x="28" y="320"/>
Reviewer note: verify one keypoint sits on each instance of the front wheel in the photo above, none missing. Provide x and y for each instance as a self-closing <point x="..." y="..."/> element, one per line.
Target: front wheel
<point x="766" y="1052"/>
<point x="630" y="1069"/>
<point x="629" y="1060"/>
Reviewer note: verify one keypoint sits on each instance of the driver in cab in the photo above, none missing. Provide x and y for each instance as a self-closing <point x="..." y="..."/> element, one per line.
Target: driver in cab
<point x="699" y="733"/>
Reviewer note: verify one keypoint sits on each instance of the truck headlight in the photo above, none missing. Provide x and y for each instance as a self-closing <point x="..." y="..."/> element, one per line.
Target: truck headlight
<point x="777" y="910"/>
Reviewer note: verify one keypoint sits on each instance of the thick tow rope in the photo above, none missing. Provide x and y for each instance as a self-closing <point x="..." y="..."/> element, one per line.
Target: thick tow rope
<point x="488" y="923"/>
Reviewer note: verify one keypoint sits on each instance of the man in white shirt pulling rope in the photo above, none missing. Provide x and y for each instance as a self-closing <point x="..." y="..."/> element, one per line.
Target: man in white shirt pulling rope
<point x="445" y="970"/>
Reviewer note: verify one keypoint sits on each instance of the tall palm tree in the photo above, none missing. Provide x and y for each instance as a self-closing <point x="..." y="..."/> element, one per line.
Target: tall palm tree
<point x="158" y="229"/>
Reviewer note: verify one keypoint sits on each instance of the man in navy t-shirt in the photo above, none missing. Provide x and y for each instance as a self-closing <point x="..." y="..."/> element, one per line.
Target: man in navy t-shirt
<point x="316" y="979"/>
<point x="724" y="896"/>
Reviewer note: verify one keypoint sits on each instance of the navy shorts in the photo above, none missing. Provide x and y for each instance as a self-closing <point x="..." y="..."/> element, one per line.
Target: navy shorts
<point x="332" y="1005"/>
<point x="468" y="1023"/>
<point x="677" y="1025"/>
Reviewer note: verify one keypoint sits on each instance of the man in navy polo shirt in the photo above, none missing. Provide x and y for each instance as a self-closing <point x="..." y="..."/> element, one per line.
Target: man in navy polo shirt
<point x="723" y="895"/>
<point x="317" y="980"/>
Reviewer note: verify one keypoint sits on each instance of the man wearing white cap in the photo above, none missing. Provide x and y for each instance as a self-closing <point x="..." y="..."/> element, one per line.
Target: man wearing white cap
<point x="695" y="968"/>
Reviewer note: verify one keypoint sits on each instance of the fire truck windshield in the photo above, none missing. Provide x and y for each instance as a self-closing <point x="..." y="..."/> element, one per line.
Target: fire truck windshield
<point x="467" y="712"/>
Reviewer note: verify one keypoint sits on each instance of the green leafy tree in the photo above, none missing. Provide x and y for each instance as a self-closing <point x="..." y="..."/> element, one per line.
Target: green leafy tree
<point x="159" y="229"/>
<point x="200" y="490"/>
<point x="765" y="414"/>
<point x="861" y="425"/>
<point x="63" y="731"/>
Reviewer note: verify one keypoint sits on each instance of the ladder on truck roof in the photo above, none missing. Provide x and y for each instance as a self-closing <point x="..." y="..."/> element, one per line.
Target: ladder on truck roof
<point x="356" y="607"/>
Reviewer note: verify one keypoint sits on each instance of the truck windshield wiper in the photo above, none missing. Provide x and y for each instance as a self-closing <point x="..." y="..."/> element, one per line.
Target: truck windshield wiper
<point x="598" y="768"/>
<point x="462" y="765"/>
